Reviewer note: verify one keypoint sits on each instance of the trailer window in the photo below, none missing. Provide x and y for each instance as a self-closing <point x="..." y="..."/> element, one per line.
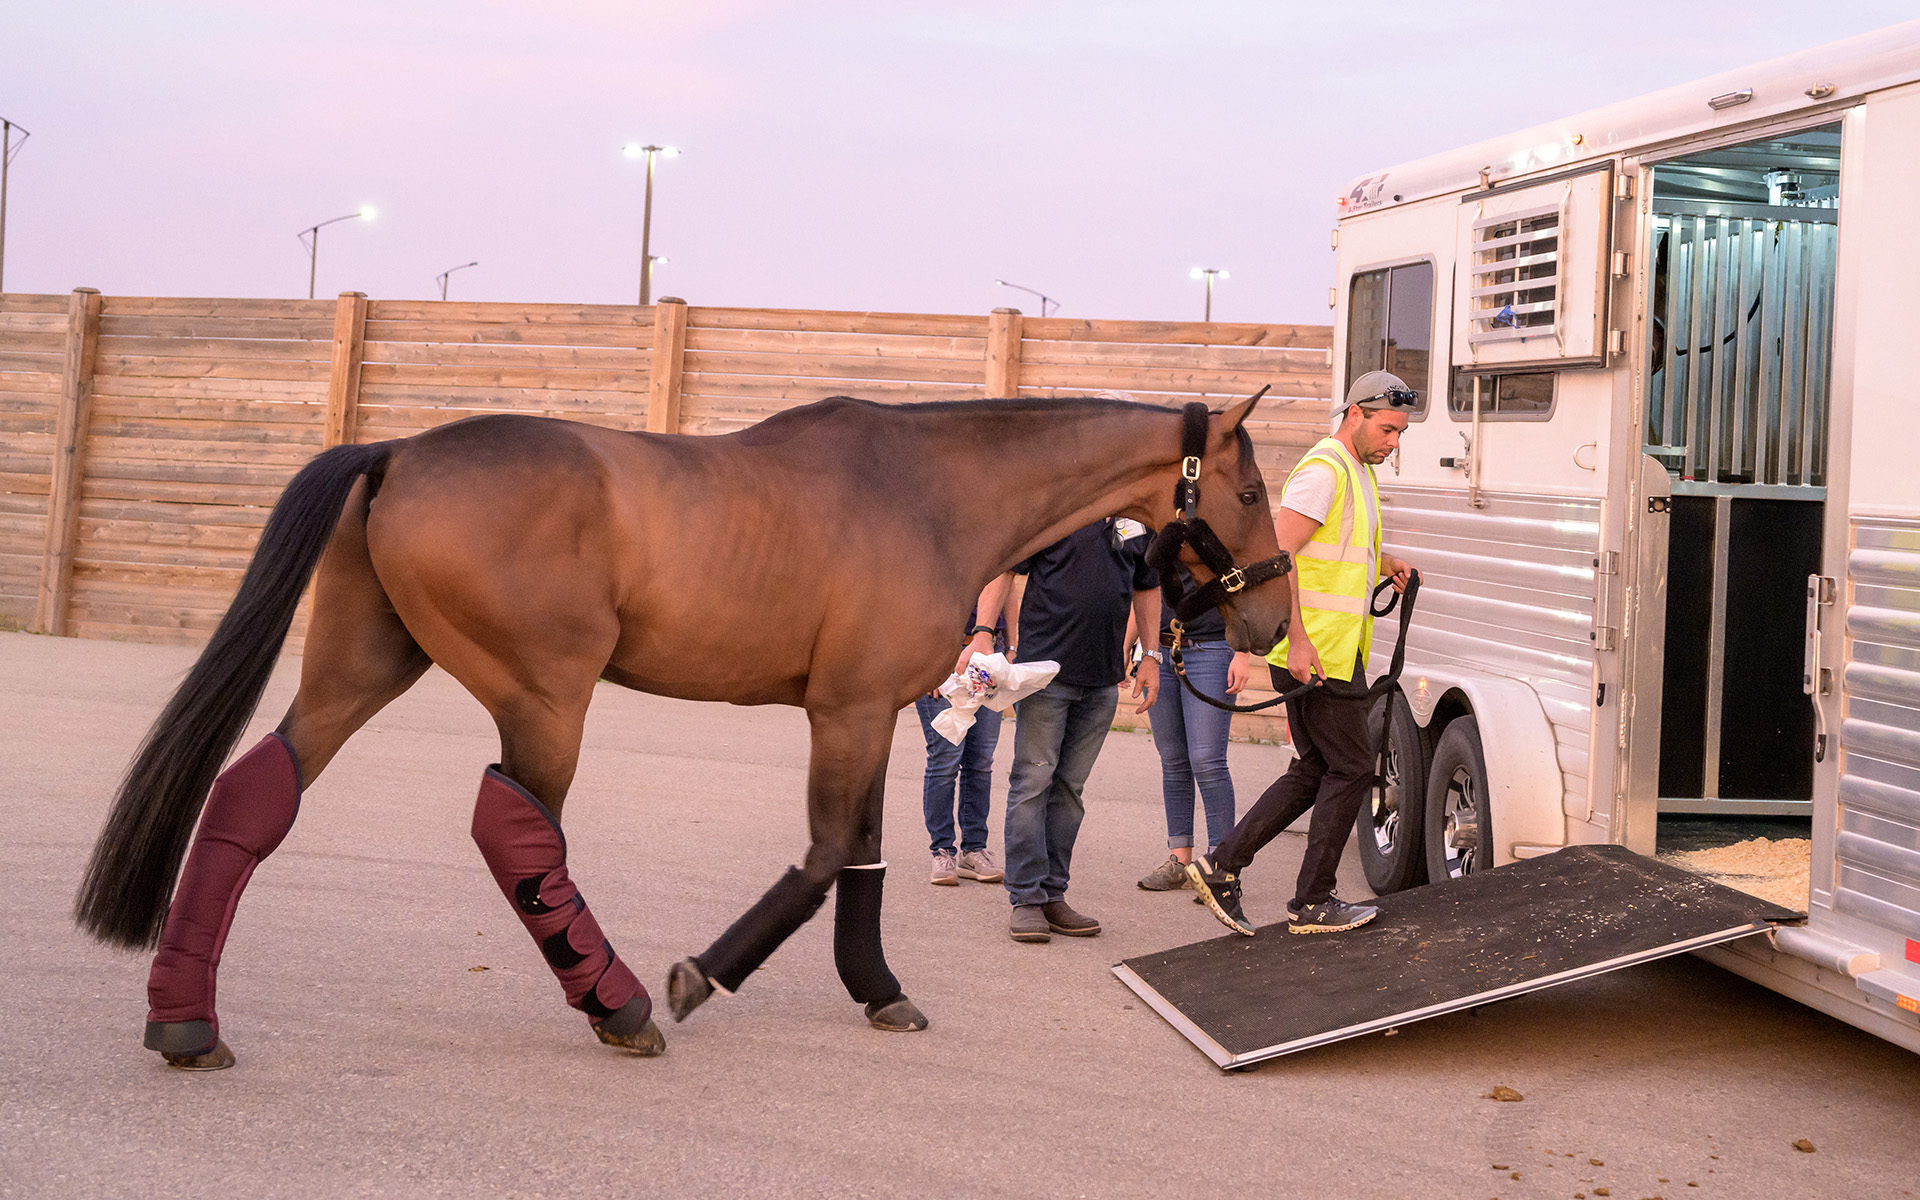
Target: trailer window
<point x="1516" y="397"/>
<point x="1390" y="325"/>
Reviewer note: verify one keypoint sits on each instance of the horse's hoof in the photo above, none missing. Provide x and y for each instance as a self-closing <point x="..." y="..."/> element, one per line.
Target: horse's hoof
<point x="898" y="1015"/>
<point x="217" y="1059"/>
<point x="687" y="988"/>
<point x="646" y="1041"/>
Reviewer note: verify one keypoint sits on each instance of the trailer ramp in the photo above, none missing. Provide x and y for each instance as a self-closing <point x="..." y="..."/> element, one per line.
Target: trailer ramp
<point x="1578" y="912"/>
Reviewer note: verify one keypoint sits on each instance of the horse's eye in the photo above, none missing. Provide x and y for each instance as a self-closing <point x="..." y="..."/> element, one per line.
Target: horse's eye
<point x="1250" y="497"/>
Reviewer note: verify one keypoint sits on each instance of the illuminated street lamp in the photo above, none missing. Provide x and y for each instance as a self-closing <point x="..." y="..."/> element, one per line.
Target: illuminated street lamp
<point x="1208" y="274"/>
<point x="310" y="237"/>
<point x="441" y="278"/>
<point x="649" y="152"/>
<point x="1044" y="298"/>
<point x="8" y="150"/>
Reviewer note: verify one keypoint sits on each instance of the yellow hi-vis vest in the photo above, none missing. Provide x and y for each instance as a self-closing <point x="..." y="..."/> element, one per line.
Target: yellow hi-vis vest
<point x="1335" y="571"/>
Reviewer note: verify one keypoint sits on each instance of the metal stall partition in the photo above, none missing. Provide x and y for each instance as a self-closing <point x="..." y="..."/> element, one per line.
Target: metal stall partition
<point x="1737" y="411"/>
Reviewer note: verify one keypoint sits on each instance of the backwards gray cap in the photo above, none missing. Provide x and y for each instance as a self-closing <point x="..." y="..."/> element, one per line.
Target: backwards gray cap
<point x="1377" y="389"/>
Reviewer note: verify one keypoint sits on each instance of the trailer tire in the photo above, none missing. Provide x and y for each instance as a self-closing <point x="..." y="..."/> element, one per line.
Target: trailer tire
<point x="1392" y="853"/>
<point x="1456" y="797"/>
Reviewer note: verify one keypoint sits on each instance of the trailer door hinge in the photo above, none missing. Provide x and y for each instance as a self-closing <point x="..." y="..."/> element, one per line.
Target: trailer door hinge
<point x="1616" y="341"/>
<point x="1620" y="261"/>
<point x="1603" y="637"/>
<point x="1623" y="186"/>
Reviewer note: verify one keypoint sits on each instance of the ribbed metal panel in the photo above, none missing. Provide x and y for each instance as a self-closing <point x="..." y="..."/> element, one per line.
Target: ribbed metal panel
<point x="1878" y="847"/>
<point x="1507" y="589"/>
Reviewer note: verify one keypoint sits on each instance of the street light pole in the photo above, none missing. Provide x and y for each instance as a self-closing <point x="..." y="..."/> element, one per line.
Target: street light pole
<point x="7" y="152"/>
<point x="1208" y="273"/>
<point x="441" y="278"/>
<point x="646" y="217"/>
<point x="311" y="237"/>
<point x="1044" y="298"/>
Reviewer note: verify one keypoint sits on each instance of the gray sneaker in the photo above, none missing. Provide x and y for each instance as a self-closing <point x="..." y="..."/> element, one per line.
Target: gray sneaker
<point x="978" y="864"/>
<point x="945" y="869"/>
<point x="1332" y="915"/>
<point x="1169" y="876"/>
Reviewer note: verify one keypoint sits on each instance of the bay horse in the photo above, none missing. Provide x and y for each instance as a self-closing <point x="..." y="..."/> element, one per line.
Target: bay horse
<point x="825" y="558"/>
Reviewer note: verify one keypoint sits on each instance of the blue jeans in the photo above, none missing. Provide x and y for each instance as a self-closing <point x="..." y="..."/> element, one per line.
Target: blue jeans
<point x="971" y="763"/>
<point x="1057" y="734"/>
<point x="1192" y="739"/>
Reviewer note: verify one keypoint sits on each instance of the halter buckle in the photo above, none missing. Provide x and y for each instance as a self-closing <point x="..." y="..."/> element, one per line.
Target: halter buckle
<point x="1233" y="580"/>
<point x="1190" y="468"/>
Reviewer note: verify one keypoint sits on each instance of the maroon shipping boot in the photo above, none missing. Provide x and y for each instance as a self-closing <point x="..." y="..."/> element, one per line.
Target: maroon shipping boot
<point x="248" y="812"/>
<point x="527" y="854"/>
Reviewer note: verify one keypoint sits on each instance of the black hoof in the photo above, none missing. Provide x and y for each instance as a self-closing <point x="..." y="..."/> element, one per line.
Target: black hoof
<point x="217" y="1059"/>
<point x="898" y="1015"/>
<point x="687" y="988"/>
<point x="644" y="1042"/>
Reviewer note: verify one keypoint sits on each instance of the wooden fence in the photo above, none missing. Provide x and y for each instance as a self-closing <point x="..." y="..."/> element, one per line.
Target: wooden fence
<point x="143" y="440"/>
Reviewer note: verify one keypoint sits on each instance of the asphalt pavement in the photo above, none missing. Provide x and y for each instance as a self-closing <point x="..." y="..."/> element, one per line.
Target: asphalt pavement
<point x="378" y="1058"/>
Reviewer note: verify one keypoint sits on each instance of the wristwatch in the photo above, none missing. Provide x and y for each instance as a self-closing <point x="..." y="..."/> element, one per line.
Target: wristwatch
<point x="1158" y="656"/>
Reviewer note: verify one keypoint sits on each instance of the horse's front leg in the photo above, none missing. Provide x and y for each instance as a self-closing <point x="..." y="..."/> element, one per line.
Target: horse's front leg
<point x="845" y="789"/>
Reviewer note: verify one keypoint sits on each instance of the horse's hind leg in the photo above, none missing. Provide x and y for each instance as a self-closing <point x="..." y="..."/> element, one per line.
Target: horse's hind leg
<point x="516" y="823"/>
<point x="358" y="658"/>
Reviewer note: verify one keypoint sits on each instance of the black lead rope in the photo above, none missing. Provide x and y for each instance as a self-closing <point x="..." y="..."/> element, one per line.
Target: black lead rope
<point x="1379" y="687"/>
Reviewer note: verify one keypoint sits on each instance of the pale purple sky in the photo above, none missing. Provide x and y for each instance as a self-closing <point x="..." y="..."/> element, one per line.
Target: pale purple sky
<point x="891" y="156"/>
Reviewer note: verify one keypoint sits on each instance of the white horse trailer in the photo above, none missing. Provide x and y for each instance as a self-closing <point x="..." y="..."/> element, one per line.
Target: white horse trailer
<point x="1669" y="537"/>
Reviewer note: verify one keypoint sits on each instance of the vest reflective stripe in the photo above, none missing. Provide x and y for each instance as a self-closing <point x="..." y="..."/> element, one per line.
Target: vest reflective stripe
<point x="1336" y="570"/>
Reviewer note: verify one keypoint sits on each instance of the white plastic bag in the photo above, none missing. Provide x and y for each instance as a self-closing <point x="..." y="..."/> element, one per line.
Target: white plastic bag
<point x="989" y="681"/>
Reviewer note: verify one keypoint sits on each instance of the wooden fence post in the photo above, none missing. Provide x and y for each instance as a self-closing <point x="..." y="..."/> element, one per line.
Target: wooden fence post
<point x="669" y="357"/>
<point x="69" y="463"/>
<point x="1003" y="353"/>
<point x="343" y="378"/>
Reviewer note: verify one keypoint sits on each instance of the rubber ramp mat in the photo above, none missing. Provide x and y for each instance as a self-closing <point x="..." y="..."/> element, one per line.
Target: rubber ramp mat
<point x="1575" y="913"/>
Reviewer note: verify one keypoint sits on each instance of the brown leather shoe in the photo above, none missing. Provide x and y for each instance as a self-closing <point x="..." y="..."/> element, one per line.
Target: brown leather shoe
<point x="1062" y="919"/>
<point x="1028" y="924"/>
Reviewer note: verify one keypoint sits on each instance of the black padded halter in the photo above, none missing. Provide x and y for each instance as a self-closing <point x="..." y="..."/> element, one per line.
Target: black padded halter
<point x="1189" y="528"/>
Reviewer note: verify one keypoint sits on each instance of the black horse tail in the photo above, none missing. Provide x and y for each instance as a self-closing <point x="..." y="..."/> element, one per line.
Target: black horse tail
<point x="129" y="883"/>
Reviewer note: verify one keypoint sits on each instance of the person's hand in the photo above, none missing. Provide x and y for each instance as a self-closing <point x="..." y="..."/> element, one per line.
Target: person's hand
<point x="1146" y="683"/>
<point x="979" y="643"/>
<point x="1303" y="662"/>
<point x="1238" y="672"/>
<point x="1398" y="570"/>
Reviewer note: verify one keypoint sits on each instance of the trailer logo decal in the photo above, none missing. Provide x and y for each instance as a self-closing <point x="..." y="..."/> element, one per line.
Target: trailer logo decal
<point x="1366" y="193"/>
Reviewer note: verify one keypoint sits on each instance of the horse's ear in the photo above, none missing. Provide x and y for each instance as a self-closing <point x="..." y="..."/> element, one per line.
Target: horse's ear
<point x="1236" y="414"/>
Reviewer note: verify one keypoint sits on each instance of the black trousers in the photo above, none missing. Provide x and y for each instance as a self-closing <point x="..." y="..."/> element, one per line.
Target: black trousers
<point x="1332" y="773"/>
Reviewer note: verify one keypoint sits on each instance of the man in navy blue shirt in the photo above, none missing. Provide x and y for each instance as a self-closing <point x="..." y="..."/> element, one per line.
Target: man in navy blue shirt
<point x="1079" y="593"/>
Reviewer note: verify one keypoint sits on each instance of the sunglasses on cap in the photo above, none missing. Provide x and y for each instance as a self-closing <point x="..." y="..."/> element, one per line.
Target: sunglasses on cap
<point x="1395" y="398"/>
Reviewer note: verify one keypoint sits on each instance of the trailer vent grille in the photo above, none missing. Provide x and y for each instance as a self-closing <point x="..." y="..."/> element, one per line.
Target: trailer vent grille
<point x="1514" y="287"/>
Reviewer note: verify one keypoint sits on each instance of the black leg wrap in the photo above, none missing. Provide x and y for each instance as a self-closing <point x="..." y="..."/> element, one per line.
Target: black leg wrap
<point x="181" y="1037"/>
<point x="856" y="936"/>
<point x="748" y="942"/>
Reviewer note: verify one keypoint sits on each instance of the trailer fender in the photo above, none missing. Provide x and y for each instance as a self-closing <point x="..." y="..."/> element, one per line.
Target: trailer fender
<point x="1524" y="785"/>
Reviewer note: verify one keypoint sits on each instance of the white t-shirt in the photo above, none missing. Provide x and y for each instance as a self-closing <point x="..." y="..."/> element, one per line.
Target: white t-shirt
<point x="1309" y="491"/>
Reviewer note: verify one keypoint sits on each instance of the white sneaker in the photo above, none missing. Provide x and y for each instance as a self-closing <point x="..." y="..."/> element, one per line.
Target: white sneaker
<point x="944" y="873"/>
<point x="978" y="864"/>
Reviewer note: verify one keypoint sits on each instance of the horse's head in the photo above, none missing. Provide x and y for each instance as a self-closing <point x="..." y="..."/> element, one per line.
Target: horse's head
<point x="1234" y="505"/>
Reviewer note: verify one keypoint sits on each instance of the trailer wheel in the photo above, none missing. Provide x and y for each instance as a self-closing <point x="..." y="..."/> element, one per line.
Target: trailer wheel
<point x="1392" y="853"/>
<point x="1459" y="824"/>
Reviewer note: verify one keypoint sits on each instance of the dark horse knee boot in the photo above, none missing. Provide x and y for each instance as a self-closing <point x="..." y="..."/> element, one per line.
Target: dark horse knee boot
<point x="527" y="854"/>
<point x="737" y="953"/>
<point x="857" y="953"/>
<point x="248" y="812"/>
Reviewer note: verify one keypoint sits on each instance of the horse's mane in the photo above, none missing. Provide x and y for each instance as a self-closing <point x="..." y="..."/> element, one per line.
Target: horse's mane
<point x="787" y="423"/>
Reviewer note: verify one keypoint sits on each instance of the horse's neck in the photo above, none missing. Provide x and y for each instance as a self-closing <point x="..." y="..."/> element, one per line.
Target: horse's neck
<point x="1032" y="478"/>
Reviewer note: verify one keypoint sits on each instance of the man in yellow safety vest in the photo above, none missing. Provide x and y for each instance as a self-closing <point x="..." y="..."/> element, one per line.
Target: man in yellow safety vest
<point x="1329" y="520"/>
